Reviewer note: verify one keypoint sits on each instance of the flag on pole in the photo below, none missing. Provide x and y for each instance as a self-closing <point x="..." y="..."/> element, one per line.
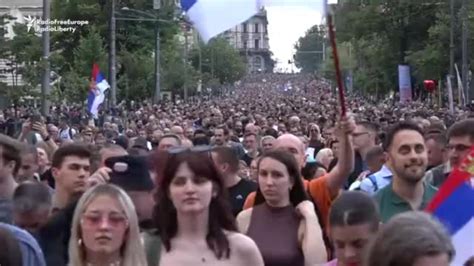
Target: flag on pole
<point x="97" y="89"/>
<point x="453" y="206"/>
<point x="462" y="98"/>
<point x="212" y="17"/>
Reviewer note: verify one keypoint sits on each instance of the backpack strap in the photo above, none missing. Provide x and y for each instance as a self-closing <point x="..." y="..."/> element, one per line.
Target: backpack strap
<point x="152" y="243"/>
<point x="374" y="182"/>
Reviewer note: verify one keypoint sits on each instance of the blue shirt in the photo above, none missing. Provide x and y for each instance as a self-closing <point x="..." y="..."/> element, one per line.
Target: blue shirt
<point x="376" y="181"/>
<point x="31" y="253"/>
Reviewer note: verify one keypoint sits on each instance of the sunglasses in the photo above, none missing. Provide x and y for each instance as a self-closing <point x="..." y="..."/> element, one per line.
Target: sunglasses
<point x="95" y="220"/>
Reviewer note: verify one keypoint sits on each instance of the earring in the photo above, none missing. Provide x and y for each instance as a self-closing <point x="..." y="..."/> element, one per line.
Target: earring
<point x="79" y="242"/>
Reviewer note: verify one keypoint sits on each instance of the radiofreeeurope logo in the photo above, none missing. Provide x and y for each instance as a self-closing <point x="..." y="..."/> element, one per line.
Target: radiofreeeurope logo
<point x="53" y="25"/>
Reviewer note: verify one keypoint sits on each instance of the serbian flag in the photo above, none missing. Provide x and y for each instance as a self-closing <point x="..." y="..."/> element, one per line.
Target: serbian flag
<point x="453" y="205"/>
<point x="97" y="89"/>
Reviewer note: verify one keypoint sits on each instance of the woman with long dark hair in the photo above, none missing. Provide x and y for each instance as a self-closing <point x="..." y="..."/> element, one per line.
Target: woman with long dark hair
<point x="194" y="218"/>
<point x="283" y="221"/>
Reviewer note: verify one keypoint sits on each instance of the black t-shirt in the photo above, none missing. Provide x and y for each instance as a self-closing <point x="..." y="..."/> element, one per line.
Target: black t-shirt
<point x="239" y="192"/>
<point x="247" y="159"/>
<point x="54" y="237"/>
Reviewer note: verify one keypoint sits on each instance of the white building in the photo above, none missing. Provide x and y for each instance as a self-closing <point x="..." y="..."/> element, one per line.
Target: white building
<point x="252" y="41"/>
<point x="17" y="10"/>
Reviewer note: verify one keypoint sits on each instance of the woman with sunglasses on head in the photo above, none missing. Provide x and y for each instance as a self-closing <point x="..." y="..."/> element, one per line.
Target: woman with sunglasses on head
<point x="105" y="230"/>
<point x="194" y="218"/>
<point x="283" y="221"/>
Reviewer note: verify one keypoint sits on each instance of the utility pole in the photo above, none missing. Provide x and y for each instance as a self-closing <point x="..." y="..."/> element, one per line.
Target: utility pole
<point x="465" y="66"/>
<point x="157" y="97"/>
<point x="185" y="59"/>
<point x="112" y="56"/>
<point x="451" y="39"/>
<point x="45" y="86"/>
<point x="200" y="56"/>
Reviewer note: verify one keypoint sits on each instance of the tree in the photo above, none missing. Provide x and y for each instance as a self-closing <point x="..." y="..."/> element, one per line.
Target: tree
<point x="137" y="80"/>
<point x="135" y="42"/>
<point x="384" y="34"/>
<point x="346" y="61"/>
<point x="219" y="60"/>
<point x="24" y="55"/>
<point x="310" y="49"/>
<point x="90" y="50"/>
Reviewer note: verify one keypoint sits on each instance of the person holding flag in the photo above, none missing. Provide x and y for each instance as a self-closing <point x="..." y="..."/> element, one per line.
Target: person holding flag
<point x="97" y="88"/>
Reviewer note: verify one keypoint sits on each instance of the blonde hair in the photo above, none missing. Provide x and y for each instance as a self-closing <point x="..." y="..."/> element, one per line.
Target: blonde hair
<point x="132" y="250"/>
<point x="323" y="156"/>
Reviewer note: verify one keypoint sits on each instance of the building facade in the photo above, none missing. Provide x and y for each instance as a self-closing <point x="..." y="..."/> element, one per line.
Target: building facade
<point x="251" y="40"/>
<point x="16" y="10"/>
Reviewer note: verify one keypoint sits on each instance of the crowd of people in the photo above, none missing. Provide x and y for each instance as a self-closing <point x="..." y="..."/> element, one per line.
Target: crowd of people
<point x="268" y="173"/>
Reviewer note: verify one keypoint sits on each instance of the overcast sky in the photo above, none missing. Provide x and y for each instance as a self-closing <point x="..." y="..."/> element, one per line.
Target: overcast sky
<point x="288" y="20"/>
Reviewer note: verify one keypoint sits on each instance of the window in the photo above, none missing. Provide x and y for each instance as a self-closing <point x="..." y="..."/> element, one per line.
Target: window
<point x="257" y="63"/>
<point x="3" y="27"/>
<point x="257" y="44"/>
<point x="256" y="27"/>
<point x="244" y="27"/>
<point x="245" y="45"/>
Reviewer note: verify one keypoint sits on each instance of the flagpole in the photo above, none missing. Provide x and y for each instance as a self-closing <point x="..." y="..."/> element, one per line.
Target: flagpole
<point x="332" y="38"/>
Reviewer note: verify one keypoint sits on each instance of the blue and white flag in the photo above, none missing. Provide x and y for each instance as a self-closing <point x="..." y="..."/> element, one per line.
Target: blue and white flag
<point x="212" y="17"/>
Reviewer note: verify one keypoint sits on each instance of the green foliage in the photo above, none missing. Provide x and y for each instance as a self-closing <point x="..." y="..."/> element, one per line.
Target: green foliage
<point x="220" y="61"/>
<point x="73" y="53"/>
<point x="310" y="49"/>
<point x="137" y="79"/>
<point x="384" y="34"/>
<point x="24" y="54"/>
<point x="75" y="83"/>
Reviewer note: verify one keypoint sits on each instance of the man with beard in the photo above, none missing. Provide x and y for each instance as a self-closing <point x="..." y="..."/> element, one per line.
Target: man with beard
<point x="407" y="157"/>
<point x="315" y="139"/>
<point x="221" y="138"/>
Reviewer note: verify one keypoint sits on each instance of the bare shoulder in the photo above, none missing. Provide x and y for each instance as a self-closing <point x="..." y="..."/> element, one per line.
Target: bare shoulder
<point x="245" y="249"/>
<point x="243" y="220"/>
<point x="245" y="214"/>
<point x="240" y="241"/>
